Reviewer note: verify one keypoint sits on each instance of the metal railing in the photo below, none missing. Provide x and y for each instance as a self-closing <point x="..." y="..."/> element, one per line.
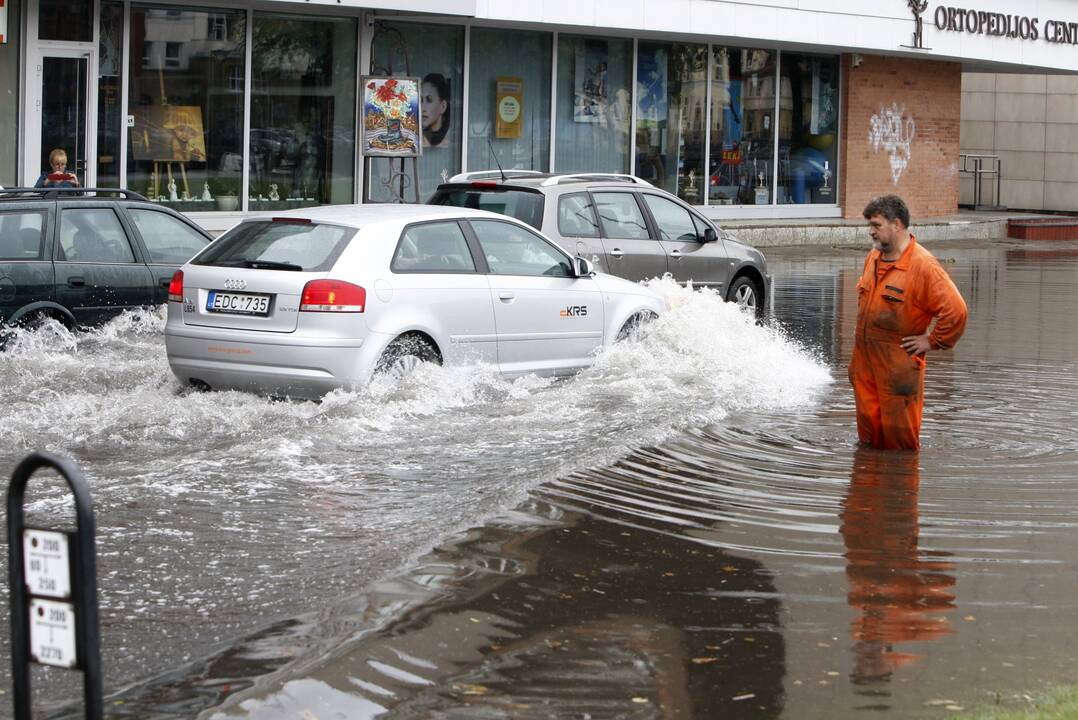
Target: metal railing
<point x="979" y="166"/>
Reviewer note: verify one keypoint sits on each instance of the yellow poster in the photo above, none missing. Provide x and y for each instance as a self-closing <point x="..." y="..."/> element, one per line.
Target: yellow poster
<point x="509" y="107"/>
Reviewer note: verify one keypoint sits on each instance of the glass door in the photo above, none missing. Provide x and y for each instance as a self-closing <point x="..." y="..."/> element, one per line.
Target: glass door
<point x="60" y="116"/>
<point x="63" y="111"/>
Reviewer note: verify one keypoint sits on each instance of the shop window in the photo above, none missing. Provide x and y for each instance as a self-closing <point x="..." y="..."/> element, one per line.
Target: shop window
<point x="435" y="55"/>
<point x="71" y="20"/>
<point x="509" y="100"/>
<point x="742" y="127"/>
<point x="108" y="94"/>
<point x="671" y="102"/>
<point x="303" y="111"/>
<point x="808" y="131"/>
<point x="594" y="104"/>
<point x="186" y="145"/>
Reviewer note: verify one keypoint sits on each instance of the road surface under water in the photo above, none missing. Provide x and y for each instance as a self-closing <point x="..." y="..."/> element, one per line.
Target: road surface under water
<point x="685" y="530"/>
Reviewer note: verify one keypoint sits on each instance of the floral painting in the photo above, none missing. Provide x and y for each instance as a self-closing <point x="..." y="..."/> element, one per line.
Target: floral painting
<point x="389" y="121"/>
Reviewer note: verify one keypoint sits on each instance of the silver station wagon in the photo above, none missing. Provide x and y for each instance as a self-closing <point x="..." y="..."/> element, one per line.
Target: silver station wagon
<point x="624" y="225"/>
<point x="317" y="299"/>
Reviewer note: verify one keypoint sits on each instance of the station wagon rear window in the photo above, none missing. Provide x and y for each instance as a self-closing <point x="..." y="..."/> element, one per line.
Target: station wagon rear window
<point x="21" y="236"/>
<point x="278" y="245"/>
<point x="520" y="204"/>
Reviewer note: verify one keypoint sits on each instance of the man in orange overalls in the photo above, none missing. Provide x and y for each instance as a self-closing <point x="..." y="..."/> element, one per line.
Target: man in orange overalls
<point x="903" y="287"/>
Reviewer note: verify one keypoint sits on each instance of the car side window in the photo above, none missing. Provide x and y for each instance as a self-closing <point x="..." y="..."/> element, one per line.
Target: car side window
<point x="93" y="235"/>
<point x="701" y="225"/>
<point x="21" y="235"/>
<point x="436" y="247"/>
<point x="168" y="240"/>
<point x="674" y="222"/>
<point x="576" y="216"/>
<point x="512" y="250"/>
<point x="620" y="216"/>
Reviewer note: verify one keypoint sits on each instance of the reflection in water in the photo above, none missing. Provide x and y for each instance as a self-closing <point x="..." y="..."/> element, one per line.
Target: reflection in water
<point x="901" y="595"/>
<point x="580" y="617"/>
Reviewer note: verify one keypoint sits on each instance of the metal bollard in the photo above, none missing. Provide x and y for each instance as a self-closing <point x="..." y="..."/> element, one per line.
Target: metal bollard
<point x="53" y="579"/>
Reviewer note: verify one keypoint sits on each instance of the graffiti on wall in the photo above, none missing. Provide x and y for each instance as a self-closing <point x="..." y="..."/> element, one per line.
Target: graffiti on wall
<point x="891" y="130"/>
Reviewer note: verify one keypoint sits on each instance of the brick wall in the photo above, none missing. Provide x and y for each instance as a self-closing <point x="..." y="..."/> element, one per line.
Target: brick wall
<point x="929" y="93"/>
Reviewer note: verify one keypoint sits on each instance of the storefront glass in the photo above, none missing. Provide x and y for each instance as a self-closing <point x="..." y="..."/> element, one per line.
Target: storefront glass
<point x="509" y="100"/>
<point x="9" y="96"/>
<point x="808" y="133"/>
<point x="70" y="20"/>
<point x="671" y="100"/>
<point x="435" y="55"/>
<point x="594" y="106"/>
<point x="742" y="131"/>
<point x="186" y="98"/>
<point x="303" y="111"/>
<point x="108" y="94"/>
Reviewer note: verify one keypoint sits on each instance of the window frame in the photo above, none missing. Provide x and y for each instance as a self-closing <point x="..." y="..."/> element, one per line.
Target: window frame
<point x="528" y="230"/>
<point x="655" y="222"/>
<point x="594" y="215"/>
<point x="644" y="214"/>
<point x="478" y="260"/>
<point x="121" y="222"/>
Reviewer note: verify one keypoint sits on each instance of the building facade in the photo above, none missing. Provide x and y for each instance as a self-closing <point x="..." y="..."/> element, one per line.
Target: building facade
<point x="1029" y="123"/>
<point x="781" y="108"/>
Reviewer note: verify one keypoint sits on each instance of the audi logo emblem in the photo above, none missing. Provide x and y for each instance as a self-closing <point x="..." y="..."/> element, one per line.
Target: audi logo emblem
<point x="235" y="284"/>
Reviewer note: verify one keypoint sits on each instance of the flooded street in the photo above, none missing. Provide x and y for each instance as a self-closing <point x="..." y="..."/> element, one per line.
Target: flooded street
<point x="685" y="530"/>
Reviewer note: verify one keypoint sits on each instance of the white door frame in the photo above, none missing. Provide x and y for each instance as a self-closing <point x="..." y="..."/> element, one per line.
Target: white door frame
<point x="30" y="122"/>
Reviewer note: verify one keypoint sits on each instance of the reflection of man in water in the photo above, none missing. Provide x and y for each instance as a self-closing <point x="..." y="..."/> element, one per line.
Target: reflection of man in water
<point x="901" y="595"/>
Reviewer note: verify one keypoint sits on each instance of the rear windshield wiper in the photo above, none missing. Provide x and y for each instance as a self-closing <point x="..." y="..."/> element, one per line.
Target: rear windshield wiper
<point x="270" y="265"/>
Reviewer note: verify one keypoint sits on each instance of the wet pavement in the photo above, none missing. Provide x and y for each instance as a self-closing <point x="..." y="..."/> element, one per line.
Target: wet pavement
<point x="685" y="530"/>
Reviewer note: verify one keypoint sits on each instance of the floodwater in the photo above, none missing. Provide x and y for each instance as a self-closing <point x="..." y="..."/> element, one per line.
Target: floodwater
<point x="685" y="530"/>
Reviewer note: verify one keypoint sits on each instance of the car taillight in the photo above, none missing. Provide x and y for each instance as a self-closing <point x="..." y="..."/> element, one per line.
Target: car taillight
<point x="332" y="296"/>
<point x="175" y="287"/>
<point x="484" y="184"/>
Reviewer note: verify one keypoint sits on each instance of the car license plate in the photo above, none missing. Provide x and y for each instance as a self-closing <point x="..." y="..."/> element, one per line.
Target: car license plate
<point x="237" y="303"/>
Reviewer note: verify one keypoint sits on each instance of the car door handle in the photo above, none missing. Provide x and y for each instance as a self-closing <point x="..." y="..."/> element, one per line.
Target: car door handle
<point x="76" y="281"/>
<point x="676" y="254"/>
<point x="507" y="297"/>
<point x="616" y="253"/>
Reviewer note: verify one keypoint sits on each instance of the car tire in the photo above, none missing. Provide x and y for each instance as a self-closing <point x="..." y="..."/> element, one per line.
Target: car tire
<point x="632" y="327"/>
<point x="747" y="294"/>
<point x="403" y="355"/>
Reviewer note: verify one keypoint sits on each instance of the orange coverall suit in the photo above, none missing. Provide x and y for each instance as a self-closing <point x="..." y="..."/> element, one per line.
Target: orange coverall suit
<point x="895" y="300"/>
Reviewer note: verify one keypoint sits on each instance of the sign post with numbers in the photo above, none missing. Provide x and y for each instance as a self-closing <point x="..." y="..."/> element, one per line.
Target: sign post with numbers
<point x="53" y="579"/>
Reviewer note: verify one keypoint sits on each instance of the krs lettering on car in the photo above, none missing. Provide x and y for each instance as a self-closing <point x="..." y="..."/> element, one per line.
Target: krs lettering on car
<point x="575" y="311"/>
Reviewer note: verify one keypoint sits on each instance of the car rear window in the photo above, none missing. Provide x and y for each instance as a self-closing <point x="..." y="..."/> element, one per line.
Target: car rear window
<point x="521" y="204"/>
<point x="277" y="245"/>
<point x="20" y="235"/>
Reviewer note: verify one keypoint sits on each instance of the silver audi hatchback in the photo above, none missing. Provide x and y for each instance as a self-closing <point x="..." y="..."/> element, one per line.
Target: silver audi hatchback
<point x="323" y="298"/>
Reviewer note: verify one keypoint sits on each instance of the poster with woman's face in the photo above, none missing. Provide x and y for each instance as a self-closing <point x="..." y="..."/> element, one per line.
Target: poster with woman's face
<point x="435" y="97"/>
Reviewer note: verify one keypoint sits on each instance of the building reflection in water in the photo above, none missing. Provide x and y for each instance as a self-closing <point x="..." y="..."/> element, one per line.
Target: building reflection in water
<point x="901" y="592"/>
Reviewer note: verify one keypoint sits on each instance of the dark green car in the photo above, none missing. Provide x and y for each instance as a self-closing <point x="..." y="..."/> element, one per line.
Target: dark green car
<point x="84" y="256"/>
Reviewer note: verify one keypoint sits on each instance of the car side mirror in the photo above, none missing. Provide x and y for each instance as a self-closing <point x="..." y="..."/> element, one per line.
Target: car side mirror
<point x="583" y="267"/>
<point x="710" y="235"/>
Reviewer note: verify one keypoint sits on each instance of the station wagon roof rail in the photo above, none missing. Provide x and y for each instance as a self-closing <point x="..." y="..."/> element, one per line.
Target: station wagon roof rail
<point x="54" y="193"/>
<point x="497" y="174"/>
<point x="591" y="177"/>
